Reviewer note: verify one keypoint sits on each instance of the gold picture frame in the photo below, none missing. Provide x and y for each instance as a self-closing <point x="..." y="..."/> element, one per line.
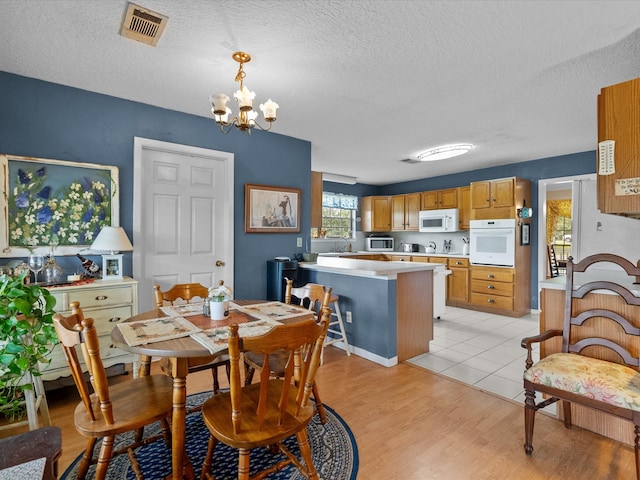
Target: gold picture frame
<point x="270" y="209"/>
<point x="54" y="202"/>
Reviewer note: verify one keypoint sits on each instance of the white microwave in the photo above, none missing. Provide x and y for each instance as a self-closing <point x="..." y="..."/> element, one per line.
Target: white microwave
<point x="434" y="221"/>
<point x="380" y="244"/>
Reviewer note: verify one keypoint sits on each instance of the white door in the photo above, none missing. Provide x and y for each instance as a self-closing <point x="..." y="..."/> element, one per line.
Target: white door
<point x="183" y="216"/>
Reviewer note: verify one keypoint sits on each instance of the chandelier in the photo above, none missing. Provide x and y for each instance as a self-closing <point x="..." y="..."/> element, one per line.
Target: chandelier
<point x="247" y="117"/>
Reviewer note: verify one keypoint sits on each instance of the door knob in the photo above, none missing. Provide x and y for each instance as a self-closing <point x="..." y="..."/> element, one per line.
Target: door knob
<point x="219" y="263"/>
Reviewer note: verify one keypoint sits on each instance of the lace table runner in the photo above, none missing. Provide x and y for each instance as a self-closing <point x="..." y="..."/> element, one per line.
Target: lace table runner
<point x="216" y="339"/>
<point x="156" y="330"/>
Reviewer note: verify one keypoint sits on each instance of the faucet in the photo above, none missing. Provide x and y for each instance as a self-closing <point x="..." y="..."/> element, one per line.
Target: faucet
<point x="344" y="248"/>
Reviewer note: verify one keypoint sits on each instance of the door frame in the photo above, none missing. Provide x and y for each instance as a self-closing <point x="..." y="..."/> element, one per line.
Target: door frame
<point x="542" y="219"/>
<point x="139" y="145"/>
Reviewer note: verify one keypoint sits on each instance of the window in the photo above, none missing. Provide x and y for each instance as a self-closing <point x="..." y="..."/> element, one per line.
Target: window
<point x="339" y="215"/>
<point x="559" y="227"/>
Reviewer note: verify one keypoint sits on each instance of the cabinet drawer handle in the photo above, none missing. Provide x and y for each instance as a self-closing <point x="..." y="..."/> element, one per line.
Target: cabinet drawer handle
<point x="490" y="275"/>
<point x="491" y="300"/>
<point x="458" y="263"/>
<point x="490" y="287"/>
<point x="101" y="297"/>
<point x="115" y="319"/>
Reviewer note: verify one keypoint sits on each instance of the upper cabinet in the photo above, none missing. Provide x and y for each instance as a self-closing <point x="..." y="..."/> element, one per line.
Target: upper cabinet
<point x="619" y="163"/>
<point x="499" y="198"/>
<point x="376" y="214"/>
<point x="316" y="200"/>
<point x="405" y="210"/>
<point x="437" y="199"/>
<point x="464" y="207"/>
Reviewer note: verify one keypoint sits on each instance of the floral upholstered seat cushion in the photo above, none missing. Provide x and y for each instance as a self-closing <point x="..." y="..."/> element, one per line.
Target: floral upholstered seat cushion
<point x="600" y="380"/>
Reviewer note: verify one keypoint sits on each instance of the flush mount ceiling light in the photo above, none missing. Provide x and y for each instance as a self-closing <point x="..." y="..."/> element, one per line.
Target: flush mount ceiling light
<point x="247" y="116"/>
<point x="333" y="177"/>
<point x="445" y="151"/>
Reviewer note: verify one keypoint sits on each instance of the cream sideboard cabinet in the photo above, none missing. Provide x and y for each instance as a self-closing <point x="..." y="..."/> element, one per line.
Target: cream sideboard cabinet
<point x="107" y="302"/>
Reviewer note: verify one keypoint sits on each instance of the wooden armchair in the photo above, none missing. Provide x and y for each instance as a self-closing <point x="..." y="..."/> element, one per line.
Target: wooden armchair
<point x="111" y="410"/>
<point x="597" y="372"/>
<point x="266" y="413"/>
<point x="187" y="292"/>
<point x="312" y="296"/>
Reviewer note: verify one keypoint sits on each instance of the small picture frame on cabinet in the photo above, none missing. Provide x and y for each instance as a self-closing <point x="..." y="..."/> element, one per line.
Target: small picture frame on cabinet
<point x="112" y="267"/>
<point x="525" y="234"/>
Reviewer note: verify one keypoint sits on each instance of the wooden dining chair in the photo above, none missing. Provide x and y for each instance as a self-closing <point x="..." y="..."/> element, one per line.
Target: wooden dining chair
<point x="187" y="292"/>
<point x="124" y="407"/>
<point x="268" y="412"/>
<point x="313" y="296"/>
<point x="553" y="262"/>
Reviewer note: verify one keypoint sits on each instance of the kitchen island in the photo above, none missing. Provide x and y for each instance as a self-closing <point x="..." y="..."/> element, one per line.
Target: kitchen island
<point x="390" y="303"/>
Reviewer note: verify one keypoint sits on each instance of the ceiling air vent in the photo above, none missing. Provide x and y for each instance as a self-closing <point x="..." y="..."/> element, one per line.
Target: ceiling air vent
<point x="410" y="161"/>
<point x="143" y="25"/>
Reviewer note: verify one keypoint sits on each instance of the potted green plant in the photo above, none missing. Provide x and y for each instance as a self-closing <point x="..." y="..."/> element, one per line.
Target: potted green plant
<point x="27" y="337"/>
<point x="219" y="301"/>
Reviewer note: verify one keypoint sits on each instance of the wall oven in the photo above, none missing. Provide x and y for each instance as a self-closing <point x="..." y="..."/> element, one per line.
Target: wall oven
<point x="492" y="242"/>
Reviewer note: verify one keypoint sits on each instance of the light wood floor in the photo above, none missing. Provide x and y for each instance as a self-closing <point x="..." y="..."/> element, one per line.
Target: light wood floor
<point x="410" y="423"/>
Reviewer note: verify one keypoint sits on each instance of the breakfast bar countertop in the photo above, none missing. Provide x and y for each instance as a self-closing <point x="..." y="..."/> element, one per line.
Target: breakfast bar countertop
<point x="386" y="270"/>
<point x="408" y="254"/>
<point x="617" y="276"/>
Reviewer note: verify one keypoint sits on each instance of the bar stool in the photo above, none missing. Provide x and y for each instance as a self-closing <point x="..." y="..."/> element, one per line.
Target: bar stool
<point x="342" y="334"/>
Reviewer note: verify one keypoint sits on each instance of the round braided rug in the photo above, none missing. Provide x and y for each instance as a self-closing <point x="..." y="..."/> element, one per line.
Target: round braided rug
<point x="333" y="448"/>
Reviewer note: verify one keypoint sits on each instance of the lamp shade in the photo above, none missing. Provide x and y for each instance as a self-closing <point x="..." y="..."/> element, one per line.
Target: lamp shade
<point x="112" y="239"/>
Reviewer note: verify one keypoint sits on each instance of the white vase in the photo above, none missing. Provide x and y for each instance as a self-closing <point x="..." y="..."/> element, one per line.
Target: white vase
<point x="217" y="310"/>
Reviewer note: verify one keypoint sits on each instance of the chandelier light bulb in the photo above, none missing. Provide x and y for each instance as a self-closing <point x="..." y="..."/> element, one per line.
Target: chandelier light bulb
<point x="268" y="109"/>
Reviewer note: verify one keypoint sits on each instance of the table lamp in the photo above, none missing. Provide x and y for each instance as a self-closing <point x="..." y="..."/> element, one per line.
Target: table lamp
<point x="113" y="240"/>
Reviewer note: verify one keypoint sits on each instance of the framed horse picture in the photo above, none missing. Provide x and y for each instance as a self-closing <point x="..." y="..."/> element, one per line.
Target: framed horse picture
<point x="271" y="209"/>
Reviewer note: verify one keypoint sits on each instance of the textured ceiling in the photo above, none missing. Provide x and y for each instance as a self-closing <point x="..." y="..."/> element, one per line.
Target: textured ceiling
<point x="367" y="82"/>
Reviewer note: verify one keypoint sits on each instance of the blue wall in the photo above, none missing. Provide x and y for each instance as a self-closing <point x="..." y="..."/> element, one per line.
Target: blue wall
<point x="40" y="119"/>
<point x="535" y="170"/>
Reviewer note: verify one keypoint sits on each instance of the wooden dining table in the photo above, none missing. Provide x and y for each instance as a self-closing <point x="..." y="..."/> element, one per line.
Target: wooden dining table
<point x="178" y="351"/>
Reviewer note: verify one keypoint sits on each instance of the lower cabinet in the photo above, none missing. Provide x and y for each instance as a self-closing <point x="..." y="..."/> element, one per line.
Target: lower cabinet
<point x="107" y="302"/>
<point x="458" y="292"/>
<point x="492" y="287"/>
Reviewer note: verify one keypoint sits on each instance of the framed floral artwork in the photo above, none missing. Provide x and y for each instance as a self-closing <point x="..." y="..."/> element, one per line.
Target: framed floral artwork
<point x="55" y="202"/>
<point x="271" y="209"/>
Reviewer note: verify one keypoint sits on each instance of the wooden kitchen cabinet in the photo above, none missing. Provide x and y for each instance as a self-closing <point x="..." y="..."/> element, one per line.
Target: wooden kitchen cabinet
<point x="619" y="121"/>
<point x="399" y="258"/>
<point x="316" y="200"/>
<point x="443" y="260"/>
<point x="107" y="302"/>
<point x="376" y="214"/>
<point x="458" y="291"/>
<point x="404" y="212"/>
<point x="437" y="199"/>
<point x="464" y="207"/>
<point x="501" y="198"/>
<point x="493" y="287"/>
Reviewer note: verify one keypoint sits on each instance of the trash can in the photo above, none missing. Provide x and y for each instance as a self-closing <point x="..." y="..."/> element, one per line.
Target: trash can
<point x="277" y="271"/>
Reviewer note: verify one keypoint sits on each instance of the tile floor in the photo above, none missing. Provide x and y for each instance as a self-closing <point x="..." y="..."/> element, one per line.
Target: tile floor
<point x="480" y="349"/>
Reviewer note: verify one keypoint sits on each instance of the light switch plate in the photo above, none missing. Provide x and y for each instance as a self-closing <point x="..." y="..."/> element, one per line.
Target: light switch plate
<point x="299" y="243"/>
